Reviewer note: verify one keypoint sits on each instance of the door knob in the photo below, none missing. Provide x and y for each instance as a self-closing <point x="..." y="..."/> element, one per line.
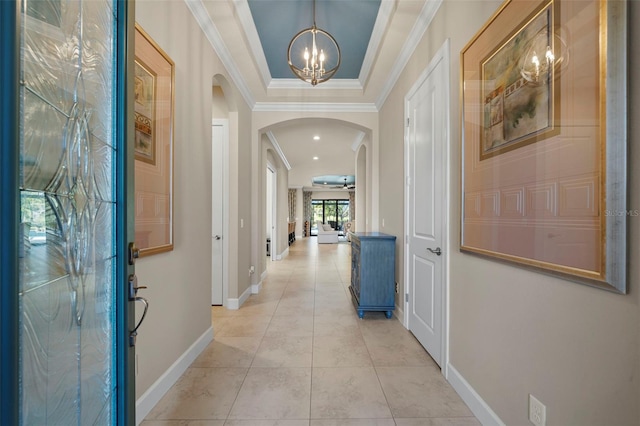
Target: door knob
<point x="218" y="237"/>
<point x="437" y="251"/>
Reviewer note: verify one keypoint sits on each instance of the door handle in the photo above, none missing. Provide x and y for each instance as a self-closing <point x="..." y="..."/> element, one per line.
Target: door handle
<point x="217" y="237"/>
<point x="134" y="333"/>
<point x="437" y="251"/>
<point x="133" y="296"/>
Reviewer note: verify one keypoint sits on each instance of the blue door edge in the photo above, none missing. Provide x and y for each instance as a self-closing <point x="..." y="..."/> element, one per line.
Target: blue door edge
<point x="125" y="310"/>
<point x="9" y="213"/>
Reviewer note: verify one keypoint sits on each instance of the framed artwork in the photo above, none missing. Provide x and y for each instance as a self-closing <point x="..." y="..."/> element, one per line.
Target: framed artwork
<point x="144" y="94"/>
<point x="544" y="140"/>
<point x="153" y="92"/>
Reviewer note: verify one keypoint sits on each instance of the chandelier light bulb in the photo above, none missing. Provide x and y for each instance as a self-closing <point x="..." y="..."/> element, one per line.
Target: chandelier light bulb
<point x="549" y="55"/>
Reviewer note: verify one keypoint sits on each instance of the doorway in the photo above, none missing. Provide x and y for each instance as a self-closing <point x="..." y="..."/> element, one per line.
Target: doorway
<point x="426" y="209"/>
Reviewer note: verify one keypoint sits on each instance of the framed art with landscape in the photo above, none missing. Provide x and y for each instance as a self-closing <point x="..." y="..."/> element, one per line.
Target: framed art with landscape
<point x="544" y="139"/>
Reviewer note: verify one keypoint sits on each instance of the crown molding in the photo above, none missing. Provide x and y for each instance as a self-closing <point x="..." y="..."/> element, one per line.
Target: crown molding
<point x="246" y="20"/>
<point x="379" y="28"/>
<point x="313" y="107"/>
<point x="297" y="84"/>
<point x="276" y="146"/>
<point x="417" y="32"/>
<point x="199" y="11"/>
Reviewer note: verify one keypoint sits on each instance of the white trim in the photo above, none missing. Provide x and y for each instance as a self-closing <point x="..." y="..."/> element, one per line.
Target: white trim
<point x="276" y="146"/>
<point x="156" y="391"/>
<point x="297" y="84"/>
<point x="358" y="140"/>
<point x="282" y="255"/>
<point x="477" y="405"/>
<point x="399" y="312"/>
<point x="313" y="107"/>
<point x="248" y="25"/>
<point x="234" y="304"/>
<point x="379" y="29"/>
<point x="422" y="23"/>
<point x="199" y="12"/>
<point x="263" y="276"/>
<point x="255" y="288"/>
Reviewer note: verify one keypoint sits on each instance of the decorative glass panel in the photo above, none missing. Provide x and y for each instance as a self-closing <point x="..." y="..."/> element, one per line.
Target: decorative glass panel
<point x="67" y="212"/>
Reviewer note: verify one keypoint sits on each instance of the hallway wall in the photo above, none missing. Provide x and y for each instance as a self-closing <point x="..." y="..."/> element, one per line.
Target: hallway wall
<point x="179" y="282"/>
<point x="513" y="331"/>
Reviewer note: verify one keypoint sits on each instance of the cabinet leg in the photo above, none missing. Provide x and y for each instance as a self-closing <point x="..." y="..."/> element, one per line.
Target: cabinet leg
<point x="387" y="314"/>
<point x="360" y="313"/>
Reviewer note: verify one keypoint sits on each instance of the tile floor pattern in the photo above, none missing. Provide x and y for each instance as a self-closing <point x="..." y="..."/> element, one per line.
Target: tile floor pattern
<point x="297" y="354"/>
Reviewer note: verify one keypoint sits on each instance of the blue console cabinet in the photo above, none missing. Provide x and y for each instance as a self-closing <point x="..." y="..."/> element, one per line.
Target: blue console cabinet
<point x="373" y="262"/>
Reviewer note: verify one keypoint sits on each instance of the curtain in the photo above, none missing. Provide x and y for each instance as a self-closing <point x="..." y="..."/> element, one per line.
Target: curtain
<point x="307" y="209"/>
<point x="352" y="205"/>
<point x="292" y="205"/>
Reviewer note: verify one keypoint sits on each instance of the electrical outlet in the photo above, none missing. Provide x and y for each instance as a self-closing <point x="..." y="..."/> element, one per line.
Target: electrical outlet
<point x="537" y="412"/>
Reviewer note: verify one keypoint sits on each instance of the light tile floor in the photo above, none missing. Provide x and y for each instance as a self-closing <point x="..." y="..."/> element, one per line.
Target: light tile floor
<point x="297" y="354"/>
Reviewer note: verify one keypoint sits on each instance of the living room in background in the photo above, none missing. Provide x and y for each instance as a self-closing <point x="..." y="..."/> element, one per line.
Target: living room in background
<point x="332" y="212"/>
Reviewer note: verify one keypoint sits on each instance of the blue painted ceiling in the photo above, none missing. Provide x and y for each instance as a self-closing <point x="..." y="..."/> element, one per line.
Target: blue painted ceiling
<point x="334" y="180"/>
<point x="350" y="22"/>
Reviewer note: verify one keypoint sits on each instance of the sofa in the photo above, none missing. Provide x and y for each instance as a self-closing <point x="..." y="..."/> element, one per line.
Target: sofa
<point x="326" y="234"/>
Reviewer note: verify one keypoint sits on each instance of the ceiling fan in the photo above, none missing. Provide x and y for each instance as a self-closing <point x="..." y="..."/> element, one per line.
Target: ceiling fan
<point x="345" y="186"/>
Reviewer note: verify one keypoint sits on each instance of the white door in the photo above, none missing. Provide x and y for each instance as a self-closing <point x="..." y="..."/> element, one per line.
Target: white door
<point x="220" y="132"/>
<point x="427" y="139"/>
<point x="272" y="209"/>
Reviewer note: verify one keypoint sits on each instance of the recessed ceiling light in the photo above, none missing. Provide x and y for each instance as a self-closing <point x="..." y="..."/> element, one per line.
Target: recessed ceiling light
<point x="315" y="158"/>
<point x="316" y="138"/>
<point x="325" y="183"/>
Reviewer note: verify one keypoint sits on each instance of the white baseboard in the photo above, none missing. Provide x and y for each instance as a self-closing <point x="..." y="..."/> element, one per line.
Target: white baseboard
<point x="263" y="276"/>
<point x="255" y="288"/>
<point x="399" y="313"/>
<point x="479" y="408"/>
<point x="234" y="304"/>
<point x="282" y="255"/>
<point x="154" y="394"/>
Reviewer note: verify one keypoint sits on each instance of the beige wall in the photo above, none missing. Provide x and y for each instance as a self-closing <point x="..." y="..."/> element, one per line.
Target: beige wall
<point x="179" y="282"/>
<point x="330" y="195"/>
<point x="515" y="332"/>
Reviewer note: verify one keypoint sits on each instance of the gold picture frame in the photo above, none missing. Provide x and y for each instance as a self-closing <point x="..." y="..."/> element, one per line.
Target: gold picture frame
<point x="551" y="197"/>
<point x="154" y="96"/>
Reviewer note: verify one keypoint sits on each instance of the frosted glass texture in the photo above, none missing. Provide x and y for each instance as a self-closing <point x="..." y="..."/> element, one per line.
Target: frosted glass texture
<point x="67" y="246"/>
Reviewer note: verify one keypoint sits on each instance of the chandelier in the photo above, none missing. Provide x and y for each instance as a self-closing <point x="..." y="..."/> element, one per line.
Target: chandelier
<point x="310" y="63"/>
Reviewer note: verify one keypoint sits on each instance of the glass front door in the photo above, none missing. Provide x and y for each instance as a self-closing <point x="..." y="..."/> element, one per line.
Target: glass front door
<point x="72" y="311"/>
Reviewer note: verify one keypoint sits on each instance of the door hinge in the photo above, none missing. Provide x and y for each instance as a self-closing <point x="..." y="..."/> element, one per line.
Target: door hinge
<point x="406" y="297"/>
<point x="407" y="121"/>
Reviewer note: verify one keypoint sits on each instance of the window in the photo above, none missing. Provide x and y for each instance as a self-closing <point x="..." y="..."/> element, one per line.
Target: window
<point x="333" y="212"/>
